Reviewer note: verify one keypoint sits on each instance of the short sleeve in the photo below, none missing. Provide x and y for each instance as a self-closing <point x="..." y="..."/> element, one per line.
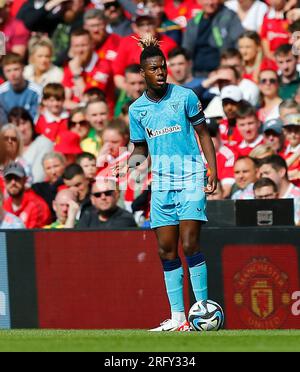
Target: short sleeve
<point x="194" y="109"/>
<point x="137" y="132"/>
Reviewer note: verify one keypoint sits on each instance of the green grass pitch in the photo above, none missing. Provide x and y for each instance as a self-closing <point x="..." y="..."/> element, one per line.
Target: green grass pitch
<point x="140" y="341"/>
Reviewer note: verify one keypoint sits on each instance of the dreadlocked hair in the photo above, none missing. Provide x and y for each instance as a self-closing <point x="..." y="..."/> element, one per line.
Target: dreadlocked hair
<point x="150" y="46"/>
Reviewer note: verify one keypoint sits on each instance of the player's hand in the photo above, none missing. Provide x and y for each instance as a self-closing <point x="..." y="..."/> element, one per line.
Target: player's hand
<point x="211" y="184"/>
<point x="120" y="170"/>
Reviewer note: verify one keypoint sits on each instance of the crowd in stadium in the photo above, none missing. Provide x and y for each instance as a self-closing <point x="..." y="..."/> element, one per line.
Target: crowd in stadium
<point x="70" y="70"/>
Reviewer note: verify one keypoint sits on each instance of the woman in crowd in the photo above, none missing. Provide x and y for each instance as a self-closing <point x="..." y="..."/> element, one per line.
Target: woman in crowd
<point x="78" y="123"/>
<point x="270" y="100"/>
<point x="34" y="147"/>
<point x="40" y="69"/>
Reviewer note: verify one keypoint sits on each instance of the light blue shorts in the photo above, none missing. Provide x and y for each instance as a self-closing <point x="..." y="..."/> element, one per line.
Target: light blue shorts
<point x="168" y="208"/>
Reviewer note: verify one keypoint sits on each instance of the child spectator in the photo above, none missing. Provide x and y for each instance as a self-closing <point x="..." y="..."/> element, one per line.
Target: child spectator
<point x="17" y="91"/>
<point x="88" y="162"/>
<point x="22" y="202"/>
<point x="249" y="128"/>
<point x="274" y="31"/>
<point x="54" y="120"/>
<point x="270" y="100"/>
<point x="290" y="78"/>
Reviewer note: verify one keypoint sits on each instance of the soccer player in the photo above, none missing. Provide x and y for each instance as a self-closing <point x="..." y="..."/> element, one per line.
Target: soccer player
<point x="163" y="122"/>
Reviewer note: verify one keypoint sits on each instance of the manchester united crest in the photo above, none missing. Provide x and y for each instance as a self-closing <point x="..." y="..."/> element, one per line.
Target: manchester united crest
<point x="262" y="294"/>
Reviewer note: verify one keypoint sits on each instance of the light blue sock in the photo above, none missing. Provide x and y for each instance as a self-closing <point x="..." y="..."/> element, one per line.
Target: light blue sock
<point x="173" y="272"/>
<point x="198" y="275"/>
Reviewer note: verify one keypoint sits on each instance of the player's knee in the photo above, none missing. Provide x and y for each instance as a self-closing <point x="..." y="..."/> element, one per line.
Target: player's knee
<point x="167" y="253"/>
<point x="190" y="248"/>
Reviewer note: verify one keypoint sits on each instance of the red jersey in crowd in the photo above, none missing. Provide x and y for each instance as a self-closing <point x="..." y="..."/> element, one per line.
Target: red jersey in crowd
<point x="225" y="163"/>
<point x="129" y="52"/>
<point x="50" y="127"/>
<point x="2" y="184"/>
<point x="16" y="33"/>
<point x="16" y="5"/>
<point x="109" y="49"/>
<point x="295" y="166"/>
<point x="275" y="30"/>
<point x="34" y="211"/>
<point x="230" y="135"/>
<point x="244" y="148"/>
<point x="181" y="12"/>
<point x="97" y="74"/>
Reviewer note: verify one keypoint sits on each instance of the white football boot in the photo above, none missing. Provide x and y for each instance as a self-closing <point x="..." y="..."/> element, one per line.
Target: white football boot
<point x="171" y="325"/>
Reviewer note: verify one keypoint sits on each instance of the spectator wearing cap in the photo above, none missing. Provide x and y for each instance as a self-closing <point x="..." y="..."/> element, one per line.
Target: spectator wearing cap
<point x="270" y="101"/>
<point x="273" y="135"/>
<point x="287" y="64"/>
<point x="54" y="165"/>
<point x="265" y="188"/>
<point x="163" y="23"/>
<point x="106" y="44"/>
<point x="225" y="158"/>
<point x="292" y="152"/>
<point x="249" y="128"/>
<point x="65" y="207"/>
<point x="275" y="168"/>
<point x="232" y="57"/>
<point x="24" y="203"/>
<point x="17" y="91"/>
<point x="86" y="70"/>
<point x="15" y="32"/>
<point x="8" y="220"/>
<point x="142" y="24"/>
<point x="288" y="107"/>
<point x="106" y="214"/>
<point x="213" y="29"/>
<point x="231" y="97"/>
<point x="118" y="23"/>
<point x="54" y="119"/>
<point x="245" y="174"/>
<point x="68" y="144"/>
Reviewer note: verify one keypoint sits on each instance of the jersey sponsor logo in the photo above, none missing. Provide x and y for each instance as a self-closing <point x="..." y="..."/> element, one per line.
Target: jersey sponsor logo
<point x="161" y="132"/>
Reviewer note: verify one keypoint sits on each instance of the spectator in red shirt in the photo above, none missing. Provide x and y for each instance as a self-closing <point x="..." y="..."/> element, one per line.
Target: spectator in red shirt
<point x="16" y="33"/>
<point x="86" y="70"/>
<point x="25" y="204"/>
<point x="142" y="24"/>
<point x="105" y="45"/>
<point x="249" y="127"/>
<point x="53" y="120"/>
<point x="274" y="31"/>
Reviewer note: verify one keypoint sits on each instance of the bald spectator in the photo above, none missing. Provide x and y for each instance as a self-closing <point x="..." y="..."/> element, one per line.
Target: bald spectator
<point x="245" y="174"/>
<point x="8" y="220"/>
<point x="275" y="168"/>
<point x="24" y="203"/>
<point x="107" y="215"/>
<point x="65" y="207"/>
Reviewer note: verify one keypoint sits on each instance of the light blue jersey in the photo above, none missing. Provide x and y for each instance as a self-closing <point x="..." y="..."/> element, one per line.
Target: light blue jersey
<point x="167" y="127"/>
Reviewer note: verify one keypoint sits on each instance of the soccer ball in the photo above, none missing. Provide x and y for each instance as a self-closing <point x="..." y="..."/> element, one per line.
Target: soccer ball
<point x="206" y="316"/>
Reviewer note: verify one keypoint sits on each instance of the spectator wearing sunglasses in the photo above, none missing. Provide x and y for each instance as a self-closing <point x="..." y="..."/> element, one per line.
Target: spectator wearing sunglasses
<point x="116" y="18"/>
<point x="270" y="100"/>
<point x="106" y="215"/>
<point x="79" y="124"/>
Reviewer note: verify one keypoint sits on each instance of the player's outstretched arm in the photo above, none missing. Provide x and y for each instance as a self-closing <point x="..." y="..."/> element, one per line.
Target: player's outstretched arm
<point x="210" y="155"/>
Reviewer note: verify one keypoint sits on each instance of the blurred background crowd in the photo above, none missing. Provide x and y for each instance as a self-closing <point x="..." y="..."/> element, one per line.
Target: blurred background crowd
<point x="70" y="70"/>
